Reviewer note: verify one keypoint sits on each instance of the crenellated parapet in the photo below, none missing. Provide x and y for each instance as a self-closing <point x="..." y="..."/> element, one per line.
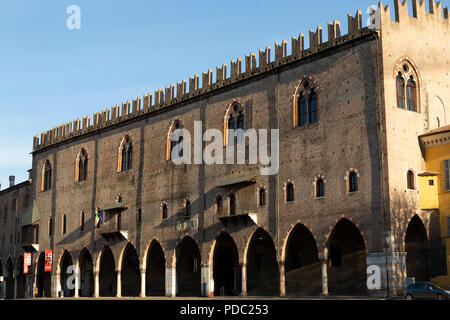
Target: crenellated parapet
<point x="254" y="64"/>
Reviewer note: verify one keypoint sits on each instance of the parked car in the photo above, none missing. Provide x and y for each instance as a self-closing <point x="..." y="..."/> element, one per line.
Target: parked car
<point x="426" y="290"/>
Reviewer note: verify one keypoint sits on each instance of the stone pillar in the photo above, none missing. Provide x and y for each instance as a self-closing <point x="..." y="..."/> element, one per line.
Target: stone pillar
<point x="282" y="280"/>
<point x="206" y="290"/>
<point x="323" y="257"/>
<point x="171" y="281"/>
<point x="56" y="284"/>
<point x="96" y="284"/>
<point x="119" y="285"/>
<point x="143" y="282"/>
<point x="244" y="280"/>
<point x="77" y="281"/>
<point x="15" y="287"/>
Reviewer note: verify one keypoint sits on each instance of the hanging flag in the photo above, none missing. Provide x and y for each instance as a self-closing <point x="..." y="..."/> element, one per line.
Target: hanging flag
<point x="48" y="260"/>
<point x="98" y="219"/>
<point x="26" y="262"/>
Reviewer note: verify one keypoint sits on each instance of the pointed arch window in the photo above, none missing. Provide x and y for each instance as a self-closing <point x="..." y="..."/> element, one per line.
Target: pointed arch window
<point x="82" y="220"/>
<point x="411" y="94"/>
<point x="235" y="120"/>
<point x="320" y="188"/>
<point x="176" y="125"/>
<point x="289" y="192"/>
<point x="410" y="180"/>
<point x="126" y="154"/>
<point x="262" y="197"/>
<point x="164" y="213"/>
<point x="353" y="182"/>
<point x="46" y="176"/>
<point x="81" y="167"/>
<point x="407" y="87"/>
<point x="306" y="110"/>
<point x="400" y="91"/>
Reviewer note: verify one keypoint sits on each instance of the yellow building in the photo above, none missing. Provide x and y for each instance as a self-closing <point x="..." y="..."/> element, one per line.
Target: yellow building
<point x="434" y="184"/>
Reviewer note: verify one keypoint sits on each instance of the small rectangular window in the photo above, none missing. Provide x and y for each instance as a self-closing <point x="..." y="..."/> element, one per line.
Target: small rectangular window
<point x="431" y="182"/>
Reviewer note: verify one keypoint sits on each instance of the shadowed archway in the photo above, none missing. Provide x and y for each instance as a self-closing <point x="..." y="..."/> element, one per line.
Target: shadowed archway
<point x="86" y="274"/>
<point x="303" y="273"/>
<point x="67" y="286"/>
<point x="9" y="279"/>
<point x="43" y="278"/>
<point x="156" y="271"/>
<point x="347" y="270"/>
<point x="20" y="278"/>
<point x="188" y="264"/>
<point x="263" y="275"/>
<point x="226" y="270"/>
<point x="130" y="274"/>
<point x="416" y="245"/>
<point x="107" y="274"/>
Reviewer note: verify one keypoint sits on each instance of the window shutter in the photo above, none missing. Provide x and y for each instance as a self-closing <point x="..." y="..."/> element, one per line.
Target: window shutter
<point x="446" y="171"/>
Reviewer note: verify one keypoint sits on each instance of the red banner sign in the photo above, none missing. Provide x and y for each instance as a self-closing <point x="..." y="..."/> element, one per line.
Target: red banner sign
<point x="48" y="260"/>
<point x="27" y="263"/>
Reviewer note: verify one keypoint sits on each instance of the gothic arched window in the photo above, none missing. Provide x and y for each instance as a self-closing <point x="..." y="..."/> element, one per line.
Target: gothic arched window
<point x="407" y="86"/>
<point x="46" y="176"/>
<point x="81" y="166"/>
<point x="125" y="154"/>
<point x="235" y="120"/>
<point x="306" y="109"/>
<point x="176" y="125"/>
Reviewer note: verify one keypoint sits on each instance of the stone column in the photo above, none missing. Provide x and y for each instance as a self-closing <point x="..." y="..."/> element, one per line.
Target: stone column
<point x="56" y="284"/>
<point x="96" y="284"/>
<point x="324" y="263"/>
<point x="171" y="281"/>
<point x="143" y="282"/>
<point x="15" y="287"/>
<point x="244" y="280"/>
<point x="119" y="285"/>
<point x="282" y="280"/>
<point x="206" y="290"/>
<point x="77" y="281"/>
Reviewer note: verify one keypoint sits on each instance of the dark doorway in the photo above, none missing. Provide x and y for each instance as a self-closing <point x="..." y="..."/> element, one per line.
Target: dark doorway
<point x="226" y="270"/>
<point x="188" y="263"/>
<point x="155" y="273"/>
<point x="66" y="274"/>
<point x="9" y="279"/>
<point x="263" y="275"/>
<point x="107" y="274"/>
<point x="347" y="260"/>
<point x="86" y="274"/>
<point x="130" y="274"/>
<point x="303" y="273"/>
<point x="43" y="278"/>
<point x="417" y="257"/>
<point x="20" y="279"/>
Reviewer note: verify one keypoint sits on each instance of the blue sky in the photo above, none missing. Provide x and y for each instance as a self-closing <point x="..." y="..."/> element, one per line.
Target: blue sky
<point x="50" y="75"/>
